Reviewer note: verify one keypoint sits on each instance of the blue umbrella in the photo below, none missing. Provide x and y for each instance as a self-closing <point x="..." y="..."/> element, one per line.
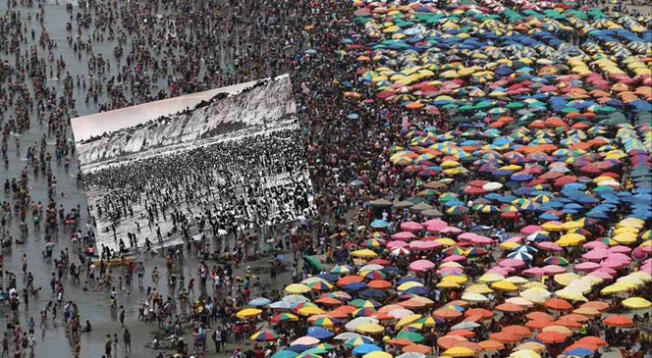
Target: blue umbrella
<point x="320" y="333"/>
<point x="356" y="286"/>
<point x="518" y="255"/>
<point x="285" y="354"/>
<point x="366" y="348"/>
<point x="581" y="352"/>
<point x="379" y="224"/>
<point x="520" y="177"/>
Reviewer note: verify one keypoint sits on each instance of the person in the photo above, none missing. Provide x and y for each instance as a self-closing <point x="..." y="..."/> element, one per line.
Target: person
<point x="122" y="316"/>
<point x="217" y="339"/>
<point x="108" y="344"/>
<point x="126" y="338"/>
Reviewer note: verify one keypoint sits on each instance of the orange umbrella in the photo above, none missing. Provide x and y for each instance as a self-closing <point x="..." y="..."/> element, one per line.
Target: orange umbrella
<point x="598" y="305"/>
<point x="417" y="348"/>
<point x="399" y="342"/>
<point x="412" y="303"/>
<point x="582" y="345"/>
<point x="462" y="333"/>
<point x="517" y="330"/>
<point x="618" y="321"/>
<point x="447" y="313"/>
<point x="390" y="308"/>
<point x="510" y="307"/>
<point x="558" y="304"/>
<point x="349" y="279"/>
<point x="537" y="324"/>
<point x="379" y="284"/>
<point x="504" y="337"/>
<point x="593" y="340"/>
<point x="567" y="323"/>
<point x="491" y="345"/>
<point x="575" y="317"/>
<point x="539" y="316"/>
<point x="329" y="301"/>
<point x="478" y="312"/>
<point x="551" y="337"/>
<point x="448" y="342"/>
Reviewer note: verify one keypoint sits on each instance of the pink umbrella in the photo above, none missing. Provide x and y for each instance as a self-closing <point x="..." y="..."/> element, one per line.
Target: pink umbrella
<point x="511" y="263"/>
<point x="587" y="266"/>
<point x="411" y="226"/>
<point x="596" y="255"/>
<point x="620" y="249"/>
<point x="450" y="271"/>
<point x="527" y="230"/>
<point x="553" y="269"/>
<point x="619" y="257"/>
<point x="608" y="270"/>
<point x="505" y="271"/>
<point x="422" y="265"/>
<point x="615" y="264"/>
<point x="450" y="230"/>
<point x="640" y="253"/>
<point x="482" y="240"/>
<point x="467" y="236"/>
<point x="516" y="239"/>
<point x="549" y="246"/>
<point x="424" y="245"/>
<point x="454" y="258"/>
<point x="595" y="245"/>
<point x="396" y="244"/>
<point x="436" y="227"/>
<point x="435" y="222"/>
<point x="403" y="235"/>
<point x="535" y="271"/>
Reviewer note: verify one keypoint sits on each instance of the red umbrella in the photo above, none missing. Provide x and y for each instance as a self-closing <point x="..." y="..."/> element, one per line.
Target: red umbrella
<point x="550" y="337"/>
<point x="504" y="337"/>
<point x="478" y="312"/>
<point x="618" y="321"/>
<point x="558" y="304"/>
<point x="510" y="307"/>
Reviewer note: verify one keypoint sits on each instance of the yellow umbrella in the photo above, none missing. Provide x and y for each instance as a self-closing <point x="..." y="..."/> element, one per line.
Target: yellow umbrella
<point x="525" y="353"/>
<point x="552" y="226"/>
<point x="451" y="264"/>
<point x="617" y="287"/>
<point x="448" y="284"/>
<point x="587" y="311"/>
<point x="408" y="285"/>
<point x="377" y="354"/>
<point x="566" y="278"/>
<point x="571" y="225"/>
<point x="517" y="280"/>
<point x="310" y="311"/>
<point x="459" y="352"/>
<point x="479" y="288"/>
<point x="370" y="328"/>
<point x="625" y="238"/>
<point x="533" y="284"/>
<point x="248" y="313"/>
<point x="446" y="241"/>
<point x="536" y="294"/>
<point x="631" y="279"/>
<point x="364" y="253"/>
<point x="490" y="277"/>
<point x="509" y="245"/>
<point x="460" y="280"/>
<point x="570" y="240"/>
<point x="474" y="297"/>
<point x="297" y="288"/>
<point x="636" y="303"/>
<point x="504" y="286"/>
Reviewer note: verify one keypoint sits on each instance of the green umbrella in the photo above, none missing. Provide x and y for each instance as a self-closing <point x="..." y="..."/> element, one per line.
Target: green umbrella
<point x="410" y="336"/>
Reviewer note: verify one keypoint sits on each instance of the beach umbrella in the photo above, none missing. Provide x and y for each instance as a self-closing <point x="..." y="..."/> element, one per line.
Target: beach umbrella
<point x="248" y="313"/>
<point x="285" y="354"/>
<point x="377" y="354"/>
<point x="459" y="352"/>
<point x="284" y="317"/>
<point x="636" y="303"/>
<point x="266" y="335"/>
<point x="366" y="348"/>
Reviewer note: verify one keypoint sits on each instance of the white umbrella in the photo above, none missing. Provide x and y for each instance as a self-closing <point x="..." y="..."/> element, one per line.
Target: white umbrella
<point x="294" y="299"/>
<point x="371" y="267"/>
<point x="465" y="325"/>
<point x="353" y="324"/>
<point x="492" y="186"/>
<point x="282" y="305"/>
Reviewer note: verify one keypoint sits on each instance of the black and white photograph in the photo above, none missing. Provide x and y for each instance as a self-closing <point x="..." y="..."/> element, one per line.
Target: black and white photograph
<point x="220" y="164"/>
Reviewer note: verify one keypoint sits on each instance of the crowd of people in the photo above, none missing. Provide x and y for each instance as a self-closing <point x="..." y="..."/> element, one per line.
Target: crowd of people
<point x="221" y="189"/>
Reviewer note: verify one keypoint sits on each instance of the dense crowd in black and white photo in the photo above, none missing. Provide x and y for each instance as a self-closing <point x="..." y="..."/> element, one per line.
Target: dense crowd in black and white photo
<point x="222" y="188"/>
